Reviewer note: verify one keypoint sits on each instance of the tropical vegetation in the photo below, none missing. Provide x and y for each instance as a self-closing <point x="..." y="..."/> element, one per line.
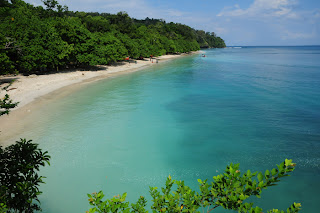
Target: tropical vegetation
<point x="19" y="180"/>
<point x="229" y="190"/>
<point x="36" y="39"/>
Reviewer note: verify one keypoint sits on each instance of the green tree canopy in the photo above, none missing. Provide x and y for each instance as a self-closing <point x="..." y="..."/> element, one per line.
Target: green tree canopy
<point x="34" y="39"/>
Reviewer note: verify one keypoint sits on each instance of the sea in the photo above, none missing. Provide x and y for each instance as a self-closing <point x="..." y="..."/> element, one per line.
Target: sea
<point x="189" y="118"/>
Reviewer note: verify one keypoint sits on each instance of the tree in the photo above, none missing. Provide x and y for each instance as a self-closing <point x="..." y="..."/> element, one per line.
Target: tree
<point x="130" y="44"/>
<point x="19" y="181"/>
<point x="96" y="23"/>
<point x="34" y="39"/>
<point x="122" y="22"/>
<point x="228" y="190"/>
<point x="50" y="4"/>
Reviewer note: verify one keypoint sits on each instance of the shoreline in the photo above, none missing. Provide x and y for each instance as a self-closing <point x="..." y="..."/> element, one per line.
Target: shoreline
<point x="35" y="91"/>
<point x="26" y="89"/>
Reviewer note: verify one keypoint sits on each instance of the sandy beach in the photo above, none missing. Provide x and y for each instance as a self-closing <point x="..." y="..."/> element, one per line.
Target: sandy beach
<point x="34" y="91"/>
<point x="26" y="89"/>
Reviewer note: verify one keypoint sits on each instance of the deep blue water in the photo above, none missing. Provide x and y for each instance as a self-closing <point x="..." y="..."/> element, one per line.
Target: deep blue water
<point x="189" y="118"/>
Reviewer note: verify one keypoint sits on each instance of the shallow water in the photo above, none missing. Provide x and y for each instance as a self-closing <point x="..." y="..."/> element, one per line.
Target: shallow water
<point x="188" y="118"/>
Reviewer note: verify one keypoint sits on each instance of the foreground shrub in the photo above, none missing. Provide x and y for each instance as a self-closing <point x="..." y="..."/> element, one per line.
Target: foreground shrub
<point x="228" y="190"/>
<point x="19" y="181"/>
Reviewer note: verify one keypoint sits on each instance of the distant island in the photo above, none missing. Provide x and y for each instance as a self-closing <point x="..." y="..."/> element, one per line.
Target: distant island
<point x="36" y="39"/>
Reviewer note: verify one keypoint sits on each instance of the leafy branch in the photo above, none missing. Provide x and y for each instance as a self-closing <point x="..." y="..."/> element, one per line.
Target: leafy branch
<point x="6" y="103"/>
<point x="228" y="190"/>
<point x="19" y="181"/>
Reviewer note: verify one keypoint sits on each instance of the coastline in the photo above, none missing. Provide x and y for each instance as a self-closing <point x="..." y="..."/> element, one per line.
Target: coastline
<point x="35" y="91"/>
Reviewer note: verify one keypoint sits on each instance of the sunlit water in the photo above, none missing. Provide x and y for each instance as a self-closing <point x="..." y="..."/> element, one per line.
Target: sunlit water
<point x="188" y="118"/>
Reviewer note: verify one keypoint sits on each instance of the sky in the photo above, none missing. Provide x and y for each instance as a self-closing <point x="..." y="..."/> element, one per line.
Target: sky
<point x="238" y="22"/>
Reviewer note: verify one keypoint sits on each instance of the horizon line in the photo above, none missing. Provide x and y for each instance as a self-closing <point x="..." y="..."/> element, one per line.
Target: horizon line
<point x="274" y="45"/>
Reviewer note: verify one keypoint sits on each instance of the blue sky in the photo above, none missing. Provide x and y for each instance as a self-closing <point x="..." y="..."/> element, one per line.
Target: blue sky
<point x="238" y="22"/>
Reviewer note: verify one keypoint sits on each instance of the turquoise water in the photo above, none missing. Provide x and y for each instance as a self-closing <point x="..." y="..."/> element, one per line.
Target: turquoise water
<point x="188" y="118"/>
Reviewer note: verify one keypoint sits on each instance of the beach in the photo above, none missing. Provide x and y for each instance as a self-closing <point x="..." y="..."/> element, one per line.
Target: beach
<point x="33" y="92"/>
<point x="26" y="89"/>
<point x="188" y="118"/>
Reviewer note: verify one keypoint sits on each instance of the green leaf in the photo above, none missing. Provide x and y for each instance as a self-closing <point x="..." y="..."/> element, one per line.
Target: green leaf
<point x="267" y="174"/>
<point x="260" y="176"/>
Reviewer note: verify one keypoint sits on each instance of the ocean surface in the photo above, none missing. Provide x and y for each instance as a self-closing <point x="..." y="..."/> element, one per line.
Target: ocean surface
<point x="188" y="118"/>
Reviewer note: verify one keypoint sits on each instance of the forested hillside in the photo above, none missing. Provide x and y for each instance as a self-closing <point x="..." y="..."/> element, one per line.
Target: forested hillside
<point x="37" y="39"/>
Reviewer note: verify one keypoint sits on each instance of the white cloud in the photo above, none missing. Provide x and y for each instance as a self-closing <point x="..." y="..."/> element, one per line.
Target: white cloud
<point x="263" y="8"/>
<point x="270" y="22"/>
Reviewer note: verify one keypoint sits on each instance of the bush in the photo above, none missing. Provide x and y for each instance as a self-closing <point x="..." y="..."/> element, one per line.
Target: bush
<point x="228" y="190"/>
<point x="19" y="181"/>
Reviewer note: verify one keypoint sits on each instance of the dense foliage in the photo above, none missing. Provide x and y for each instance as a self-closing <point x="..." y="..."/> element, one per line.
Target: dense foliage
<point x="19" y="181"/>
<point x="37" y="39"/>
<point x="229" y="190"/>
